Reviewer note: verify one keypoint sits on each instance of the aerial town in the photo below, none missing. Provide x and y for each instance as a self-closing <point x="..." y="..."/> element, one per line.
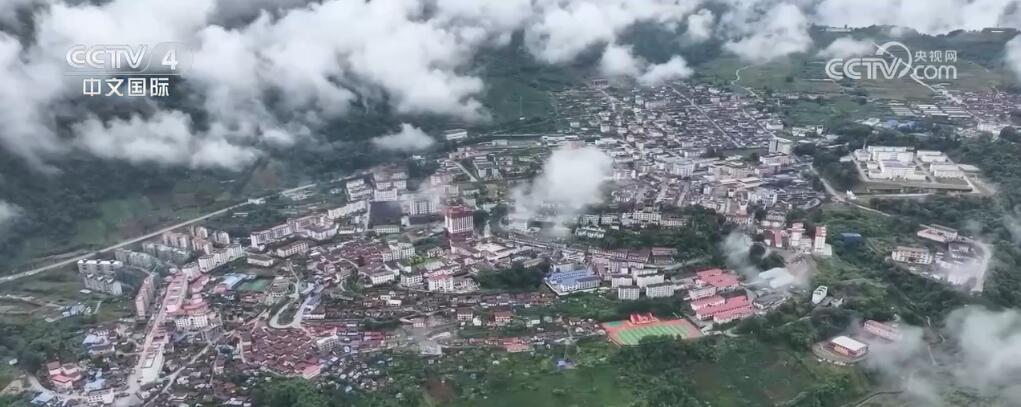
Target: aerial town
<point x="380" y="261"/>
<point x="506" y="203"/>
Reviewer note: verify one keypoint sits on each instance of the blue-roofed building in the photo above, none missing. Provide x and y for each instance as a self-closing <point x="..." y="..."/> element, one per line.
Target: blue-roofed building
<point x="232" y="280"/>
<point x="98" y="384"/>
<point x="578" y="279"/>
<point x="43" y="398"/>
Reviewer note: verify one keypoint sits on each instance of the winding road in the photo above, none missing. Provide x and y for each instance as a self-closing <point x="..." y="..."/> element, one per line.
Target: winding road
<point x="737" y="78"/>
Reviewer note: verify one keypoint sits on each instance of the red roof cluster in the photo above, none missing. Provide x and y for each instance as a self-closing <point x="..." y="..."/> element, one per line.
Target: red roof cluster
<point x="732" y="308"/>
<point x="646" y="318"/>
<point x="707" y="302"/>
<point x="717" y="278"/>
<point x="286" y="352"/>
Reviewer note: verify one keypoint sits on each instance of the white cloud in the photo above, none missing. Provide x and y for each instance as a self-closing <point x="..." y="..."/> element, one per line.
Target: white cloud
<point x="700" y="26"/>
<point x="166" y="138"/>
<point x="760" y="38"/>
<point x="274" y="80"/>
<point x="981" y="355"/>
<point x="1013" y="56"/>
<point x="844" y="47"/>
<point x="8" y="212"/>
<point x="273" y="73"/>
<point x="989" y="343"/>
<point x="618" y="61"/>
<point x="562" y="30"/>
<point x="675" y="68"/>
<point x="410" y="138"/>
<point x="29" y="89"/>
<point x="926" y="16"/>
<point x="571" y="179"/>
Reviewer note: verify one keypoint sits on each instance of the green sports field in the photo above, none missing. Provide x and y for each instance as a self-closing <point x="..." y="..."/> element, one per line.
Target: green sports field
<point x="258" y="284"/>
<point x="625" y="334"/>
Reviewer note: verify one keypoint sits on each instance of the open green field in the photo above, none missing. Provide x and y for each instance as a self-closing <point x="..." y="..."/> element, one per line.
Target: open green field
<point x="114" y="309"/>
<point x="748" y="373"/>
<point x="795" y="74"/>
<point x="55" y="286"/>
<point x="519" y="91"/>
<point x="525" y="379"/>
<point x="820" y="112"/>
<point x="805" y="73"/>
<point x="129" y="216"/>
<point x="7" y="374"/>
<point x="258" y="284"/>
<point x="585" y="386"/>
<point x="751" y="373"/>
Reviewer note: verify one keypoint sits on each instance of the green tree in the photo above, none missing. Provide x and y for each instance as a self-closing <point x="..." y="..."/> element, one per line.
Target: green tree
<point x="291" y="392"/>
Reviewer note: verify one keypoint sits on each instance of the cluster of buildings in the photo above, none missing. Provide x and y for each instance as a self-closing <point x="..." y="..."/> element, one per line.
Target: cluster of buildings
<point x="902" y="169"/>
<point x="946" y="256"/>
<point x="420" y="236"/>
<point x="975" y="111"/>
<point x="632" y="281"/>
<point x="572" y="278"/>
<point x="795" y="239"/>
<point x="721" y="309"/>
<point x="213" y="249"/>
<point x="102" y="275"/>
<point x="665" y="144"/>
<point x="93" y="380"/>
<point x="288" y="352"/>
<point x="854" y="347"/>
<point x="64" y="376"/>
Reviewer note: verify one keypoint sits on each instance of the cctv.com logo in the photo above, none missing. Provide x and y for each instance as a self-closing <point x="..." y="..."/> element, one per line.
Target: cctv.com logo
<point x="894" y="60"/>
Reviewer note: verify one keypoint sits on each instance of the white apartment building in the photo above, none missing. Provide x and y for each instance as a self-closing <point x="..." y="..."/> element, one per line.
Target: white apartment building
<point x="459" y="220"/>
<point x="628" y="293"/>
<point x="912" y="255"/>
<point x="649" y="279"/>
<point x="443" y="282"/>
<point x="381" y="277"/>
<point x="399" y="251"/>
<point x="660" y="290"/>
<point x="386" y="195"/>
<point x="347" y="210"/>
<point x="621" y="280"/>
<point x="946" y="170"/>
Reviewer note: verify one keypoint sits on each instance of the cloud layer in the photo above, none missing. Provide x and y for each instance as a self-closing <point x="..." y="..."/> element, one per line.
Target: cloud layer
<point x="8" y="212"/>
<point x="408" y="139"/>
<point x="270" y="74"/>
<point x="1013" y="56"/>
<point x="845" y="47"/>
<point x="979" y="352"/>
<point x="570" y="181"/>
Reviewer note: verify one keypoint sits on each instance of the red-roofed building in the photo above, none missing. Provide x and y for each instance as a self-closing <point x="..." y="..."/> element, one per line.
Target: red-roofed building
<point x="309" y="369"/>
<point x="733" y="308"/>
<point x="707" y="302"/>
<point x="885" y="331"/>
<point x="733" y="314"/>
<point x="64" y="376"/>
<point x="639" y="319"/>
<point x="718" y="278"/>
<point x="515" y="345"/>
